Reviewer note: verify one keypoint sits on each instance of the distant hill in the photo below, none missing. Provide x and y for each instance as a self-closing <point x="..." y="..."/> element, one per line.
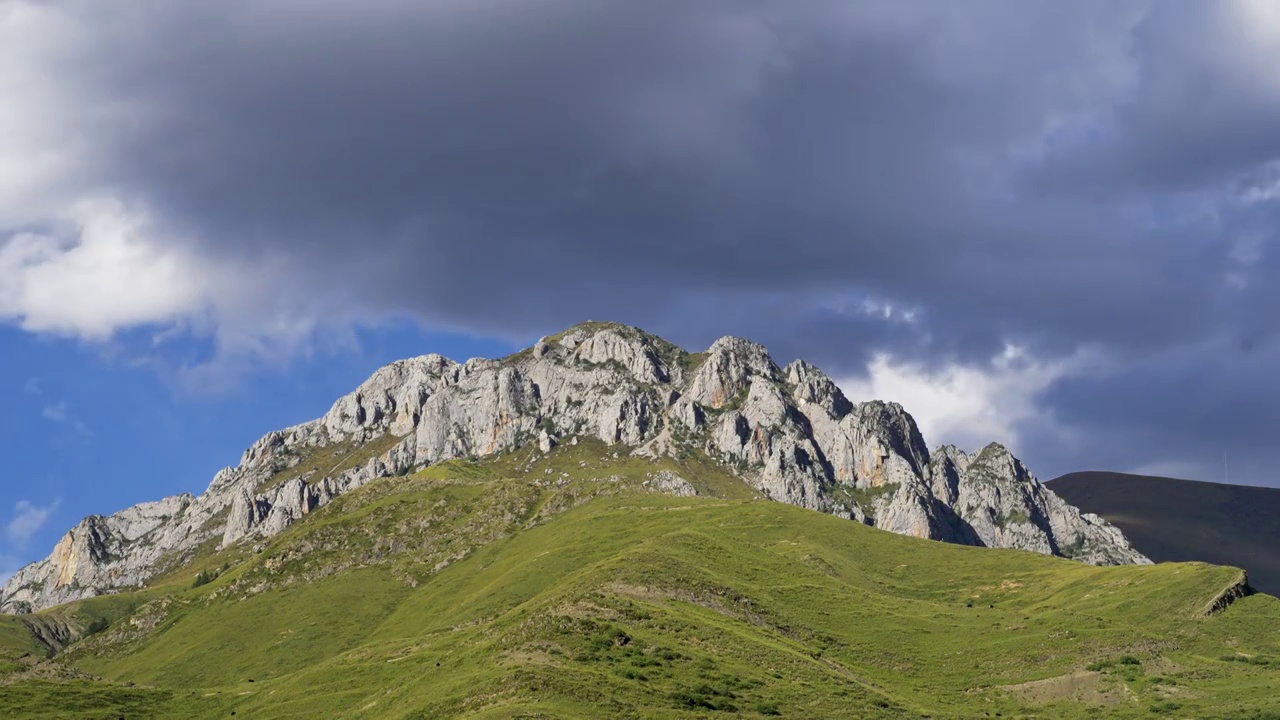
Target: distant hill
<point x="1169" y="519"/>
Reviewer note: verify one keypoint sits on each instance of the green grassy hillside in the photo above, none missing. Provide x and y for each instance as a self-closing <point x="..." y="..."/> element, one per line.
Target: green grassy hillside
<point x="530" y="587"/>
<point x="1175" y="520"/>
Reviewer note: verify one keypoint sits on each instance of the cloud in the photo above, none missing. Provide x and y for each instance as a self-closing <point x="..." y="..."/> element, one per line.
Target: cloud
<point x="629" y="173"/>
<point x="27" y="520"/>
<point x="31" y="386"/>
<point x="968" y="405"/>
<point x="107" y="275"/>
<point x="108" y="268"/>
<point x="1183" y="408"/>
<point x="56" y="412"/>
<point x="844" y="181"/>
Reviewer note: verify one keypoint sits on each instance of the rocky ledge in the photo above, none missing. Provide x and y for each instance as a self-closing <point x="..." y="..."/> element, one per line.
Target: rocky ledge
<point x="788" y="432"/>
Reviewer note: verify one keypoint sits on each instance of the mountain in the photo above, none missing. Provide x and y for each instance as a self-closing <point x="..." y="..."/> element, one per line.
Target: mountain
<point x="575" y="583"/>
<point x="586" y="582"/>
<point x="584" y="529"/>
<point x="789" y="433"/>
<point x="1172" y="520"/>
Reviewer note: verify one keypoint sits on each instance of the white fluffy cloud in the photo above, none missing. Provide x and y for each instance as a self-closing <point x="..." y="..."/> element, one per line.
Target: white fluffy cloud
<point x="74" y="259"/>
<point x="27" y="520"/>
<point x="106" y="274"/>
<point x="82" y="257"/>
<point x="105" y="267"/>
<point x="966" y="405"/>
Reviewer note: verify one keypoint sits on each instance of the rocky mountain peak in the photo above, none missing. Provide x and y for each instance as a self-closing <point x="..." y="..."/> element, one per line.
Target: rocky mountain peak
<point x="996" y="460"/>
<point x="811" y="385"/>
<point x="952" y="453"/>
<point x="896" y="429"/>
<point x="635" y="352"/>
<point x="790" y="434"/>
<point x="726" y="370"/>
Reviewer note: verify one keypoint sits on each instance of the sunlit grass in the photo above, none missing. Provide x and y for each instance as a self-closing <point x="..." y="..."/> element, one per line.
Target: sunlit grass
<point x="552" y="586"/>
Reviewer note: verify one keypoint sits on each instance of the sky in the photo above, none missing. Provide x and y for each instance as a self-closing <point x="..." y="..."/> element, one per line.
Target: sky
<point x="1045" y="224"/>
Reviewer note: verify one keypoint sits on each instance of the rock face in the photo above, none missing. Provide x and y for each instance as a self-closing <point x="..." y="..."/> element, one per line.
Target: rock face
<point x="788" y="432"/>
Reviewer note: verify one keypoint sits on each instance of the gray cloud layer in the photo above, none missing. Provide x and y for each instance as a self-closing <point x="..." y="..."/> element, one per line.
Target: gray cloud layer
<point x="839" y="180"/>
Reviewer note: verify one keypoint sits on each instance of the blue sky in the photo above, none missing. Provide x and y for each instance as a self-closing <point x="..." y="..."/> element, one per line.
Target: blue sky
<point x="1048" y="224"/>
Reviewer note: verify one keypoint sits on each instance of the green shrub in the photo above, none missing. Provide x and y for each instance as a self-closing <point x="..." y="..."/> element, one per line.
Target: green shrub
<point x="1255" y="660"/>
<point x="1101" y="665"/>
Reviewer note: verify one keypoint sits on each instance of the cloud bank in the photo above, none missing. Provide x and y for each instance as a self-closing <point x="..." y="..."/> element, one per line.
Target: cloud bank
<point x="899" y="192"/>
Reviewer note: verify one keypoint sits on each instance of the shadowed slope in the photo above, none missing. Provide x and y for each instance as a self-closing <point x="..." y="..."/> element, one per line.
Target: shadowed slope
<point x="1171" y="520"/>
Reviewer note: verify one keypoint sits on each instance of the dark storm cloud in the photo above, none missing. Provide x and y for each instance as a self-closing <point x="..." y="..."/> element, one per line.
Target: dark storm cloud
<point x="1033" y="173"/>
<point x="1203" y="107"/>
<point x="613" y="157"/>
<point x="1206" y="407"/>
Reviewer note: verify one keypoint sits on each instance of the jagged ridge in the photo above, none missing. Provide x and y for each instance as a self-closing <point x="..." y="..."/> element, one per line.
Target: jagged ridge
<point x="788" y="432"/>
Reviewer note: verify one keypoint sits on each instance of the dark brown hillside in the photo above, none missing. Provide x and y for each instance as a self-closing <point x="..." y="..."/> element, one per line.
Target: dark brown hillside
<point x="1169" y="519"/>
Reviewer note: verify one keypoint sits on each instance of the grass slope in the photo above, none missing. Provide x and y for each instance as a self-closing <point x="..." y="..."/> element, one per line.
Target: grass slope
<point x="530" y="587"/>
<point x="1171" y="520"/>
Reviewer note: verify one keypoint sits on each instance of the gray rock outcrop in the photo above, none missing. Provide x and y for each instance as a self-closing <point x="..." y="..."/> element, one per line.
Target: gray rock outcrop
<point x="788" y="432"/>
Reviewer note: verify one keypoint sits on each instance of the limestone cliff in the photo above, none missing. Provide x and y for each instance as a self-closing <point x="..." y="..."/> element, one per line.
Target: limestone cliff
<point x="788" y="432"/>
